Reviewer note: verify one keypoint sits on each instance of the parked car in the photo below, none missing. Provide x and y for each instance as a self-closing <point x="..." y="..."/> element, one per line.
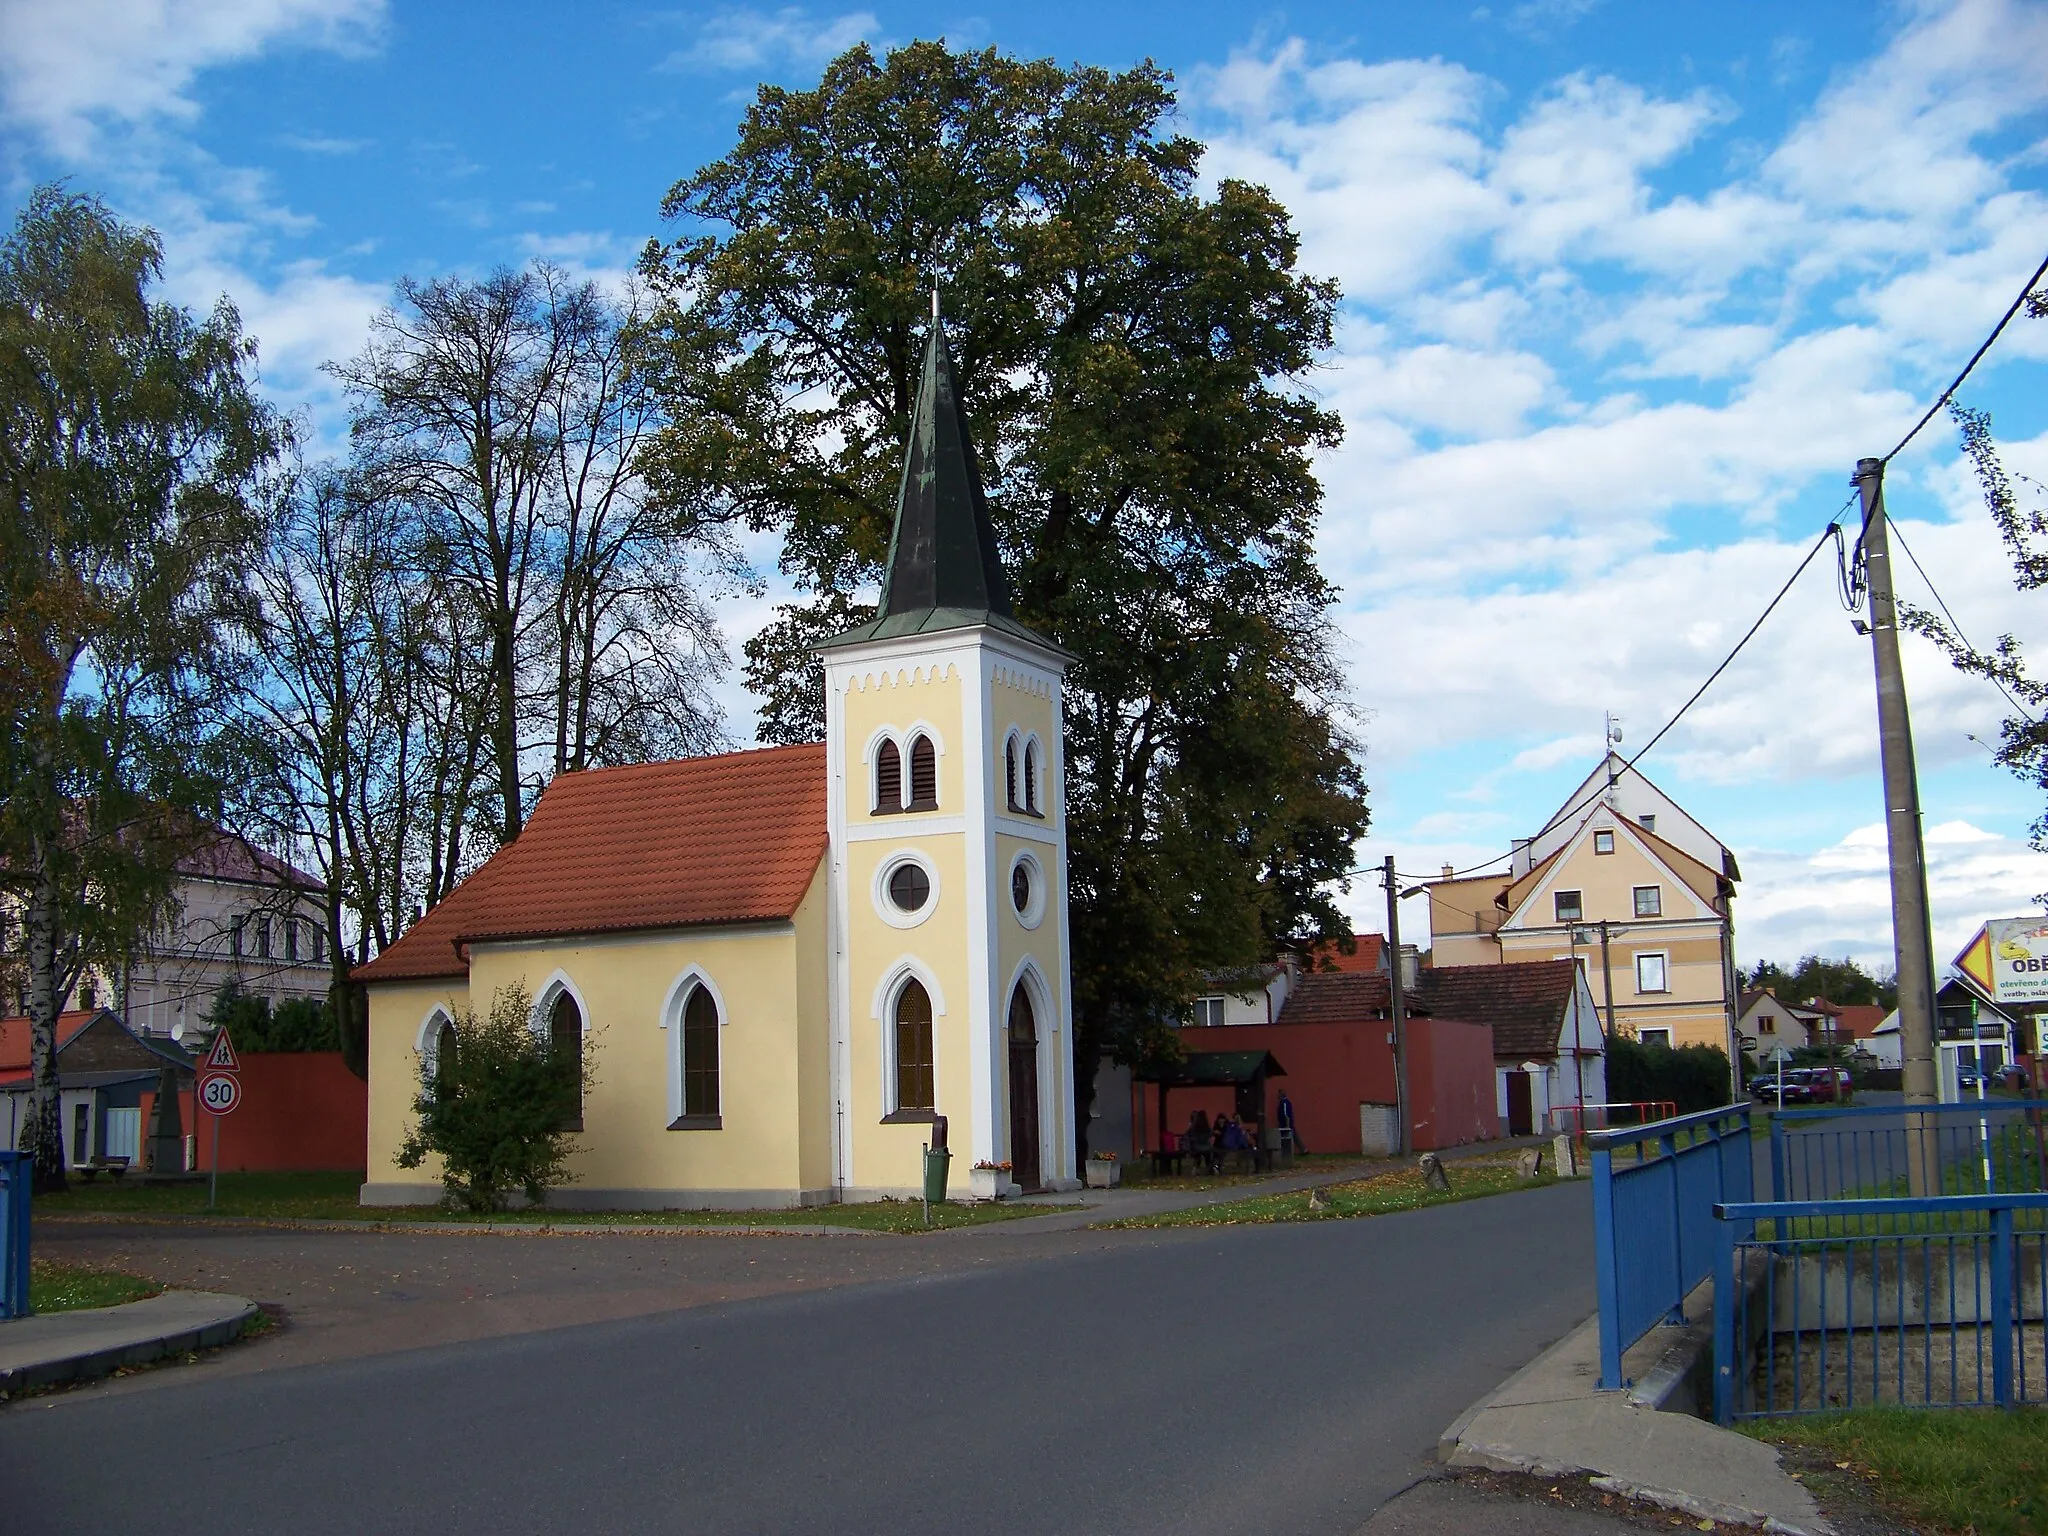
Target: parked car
<point x="1826" y="1085"/>
<point x="1968" y="1078"/>
<point x="1795" y="1089"/>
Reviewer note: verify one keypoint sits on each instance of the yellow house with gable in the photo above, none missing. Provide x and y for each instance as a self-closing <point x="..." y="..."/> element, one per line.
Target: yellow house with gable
<point x="792" y="961"/>
<point x="1623" y="880"/>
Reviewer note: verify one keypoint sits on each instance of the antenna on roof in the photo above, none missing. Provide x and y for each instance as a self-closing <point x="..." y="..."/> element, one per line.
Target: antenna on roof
<point x="1613" y="740"/>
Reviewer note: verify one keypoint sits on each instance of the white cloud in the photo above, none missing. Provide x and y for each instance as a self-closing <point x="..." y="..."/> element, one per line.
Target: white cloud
<point x="740" y="40"/>
<point x="1837" y="901"/>
<point x="70" y="65"/>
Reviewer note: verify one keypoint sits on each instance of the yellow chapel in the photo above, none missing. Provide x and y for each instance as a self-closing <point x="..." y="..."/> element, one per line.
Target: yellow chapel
<point x="790" y="962"/>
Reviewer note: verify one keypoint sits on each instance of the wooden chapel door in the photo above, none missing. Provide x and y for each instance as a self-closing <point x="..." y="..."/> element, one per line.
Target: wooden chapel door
<point x="1024" y="1155"/>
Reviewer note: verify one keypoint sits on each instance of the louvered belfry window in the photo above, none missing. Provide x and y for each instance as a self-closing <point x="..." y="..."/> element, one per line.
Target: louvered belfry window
<point x="888" y="778"/>
<point x="924" y="775"/>
<point x="1010" y="770"/>
<point x="1031" y="777"/>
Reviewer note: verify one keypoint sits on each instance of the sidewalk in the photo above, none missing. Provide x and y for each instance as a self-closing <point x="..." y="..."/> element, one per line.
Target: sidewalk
<point x="1551" y="1419"/>
<point x="76" y="1346"/>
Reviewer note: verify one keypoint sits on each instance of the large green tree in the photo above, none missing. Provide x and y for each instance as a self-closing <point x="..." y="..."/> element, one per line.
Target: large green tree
<point x="131" y="443"/>
<point x="1130" y="349"/>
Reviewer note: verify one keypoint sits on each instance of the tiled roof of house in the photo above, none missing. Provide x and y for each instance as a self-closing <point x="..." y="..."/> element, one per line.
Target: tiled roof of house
<point x="1855" y="1021"/>
<point x="228" y="857"/>
<point x="14" y="1036"/>
<point x="1336" y="997"/>
<point x="1369" y="956"/>
<point x="1524" y="1005"/>
<point x="698" y="841"/>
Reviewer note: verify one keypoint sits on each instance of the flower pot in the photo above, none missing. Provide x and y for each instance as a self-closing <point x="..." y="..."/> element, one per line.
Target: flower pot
<point x="1104" y="1174"/>
<point x="988" y="1183"/>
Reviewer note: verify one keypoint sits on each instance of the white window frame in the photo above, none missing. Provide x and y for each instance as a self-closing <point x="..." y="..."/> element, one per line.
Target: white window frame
<point x="1034" y="913"/>
<point x="1663" y="971"/>
<point x="1661" y="1030"/>
<point x="1204" y="1005"/>
<point x="885" y="904"/>
<point x="671" y="1021"/>
<point x="902" y="972"/>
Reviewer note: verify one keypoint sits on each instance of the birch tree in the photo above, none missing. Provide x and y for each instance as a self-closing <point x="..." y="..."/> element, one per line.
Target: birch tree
<point x="132" y="445"/>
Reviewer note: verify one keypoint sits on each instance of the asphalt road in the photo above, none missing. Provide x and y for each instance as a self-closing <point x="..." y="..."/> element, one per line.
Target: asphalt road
<point x="1284" y="1378"/>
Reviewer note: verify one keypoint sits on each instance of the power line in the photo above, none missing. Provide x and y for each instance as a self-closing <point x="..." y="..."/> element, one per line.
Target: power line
<point x="1975" y="358"/>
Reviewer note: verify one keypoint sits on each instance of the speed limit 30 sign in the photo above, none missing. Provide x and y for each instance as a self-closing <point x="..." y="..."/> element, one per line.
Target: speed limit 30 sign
<point x="220" y="1093"/>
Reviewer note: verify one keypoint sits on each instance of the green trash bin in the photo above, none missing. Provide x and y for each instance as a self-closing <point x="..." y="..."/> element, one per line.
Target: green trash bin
<point x="937" y="1161"/>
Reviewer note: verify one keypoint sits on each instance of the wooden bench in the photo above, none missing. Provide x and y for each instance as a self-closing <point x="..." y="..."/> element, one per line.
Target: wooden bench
<point x="114" y="1166"/>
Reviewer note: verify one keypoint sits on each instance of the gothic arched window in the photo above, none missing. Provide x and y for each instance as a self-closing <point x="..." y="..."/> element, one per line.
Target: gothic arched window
<point x="565" y="1038"/>
<point x="700" y="1054"/>
<point x="888" y="779"/>
<point x="1031" y="777"/>
<point x="924" y="775"/>
<point x="914" y="1048"/>
<point x="1010" y="772"/>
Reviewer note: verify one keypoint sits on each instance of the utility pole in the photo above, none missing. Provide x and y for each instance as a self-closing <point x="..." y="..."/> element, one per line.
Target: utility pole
<point x="1912" y="938"/>
<point x="1396" y="1002"/>
<point x="1607" y="977"/>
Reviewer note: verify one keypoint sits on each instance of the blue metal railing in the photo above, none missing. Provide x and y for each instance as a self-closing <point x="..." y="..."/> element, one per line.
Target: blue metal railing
<point x="16" y="1172"/>
<point x="1867" y="1152"/>
<point x="1827" y="1304"/>
<point x="1654" y="1238"/>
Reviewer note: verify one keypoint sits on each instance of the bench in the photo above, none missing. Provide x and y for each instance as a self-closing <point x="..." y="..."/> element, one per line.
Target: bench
<point x="115" y="1166"/>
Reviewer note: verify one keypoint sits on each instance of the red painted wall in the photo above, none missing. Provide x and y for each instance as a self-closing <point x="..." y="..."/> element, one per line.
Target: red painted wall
<point x="1334" y="1068"/>
<point x="300" y="1110"/>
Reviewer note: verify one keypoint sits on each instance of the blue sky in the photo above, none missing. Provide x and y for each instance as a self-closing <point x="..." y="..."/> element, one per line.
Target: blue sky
<point x="1629" y="289"/>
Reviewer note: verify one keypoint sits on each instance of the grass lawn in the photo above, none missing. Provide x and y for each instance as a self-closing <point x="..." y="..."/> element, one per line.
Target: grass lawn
<point x="68" y="1288"/>
<point x="1966" y="1470"/>
<point x="1137" y="1173"/>
<point x="1401" y="1190"/>
<point x="332" y="1197"/>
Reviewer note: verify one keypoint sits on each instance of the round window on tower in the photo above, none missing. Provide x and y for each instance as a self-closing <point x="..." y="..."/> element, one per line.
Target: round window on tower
<point x="910" y="888"/>
<point x="1027" y="889"/>
<point x="906" y="889"/>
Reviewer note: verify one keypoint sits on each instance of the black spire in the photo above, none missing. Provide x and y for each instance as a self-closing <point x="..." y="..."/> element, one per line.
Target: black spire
<point x="943" y="552"/>
<point x="944" y="570"/>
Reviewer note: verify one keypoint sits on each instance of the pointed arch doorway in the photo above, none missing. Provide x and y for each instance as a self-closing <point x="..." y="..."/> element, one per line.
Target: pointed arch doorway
<point x="1024" y="1151"/>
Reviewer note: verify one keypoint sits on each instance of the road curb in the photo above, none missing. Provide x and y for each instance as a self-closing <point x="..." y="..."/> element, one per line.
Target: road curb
<point x="79" y="1346"/>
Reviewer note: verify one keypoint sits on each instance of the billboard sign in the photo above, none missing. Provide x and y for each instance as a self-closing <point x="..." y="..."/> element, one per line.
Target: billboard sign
<point x="2008" y="959"/>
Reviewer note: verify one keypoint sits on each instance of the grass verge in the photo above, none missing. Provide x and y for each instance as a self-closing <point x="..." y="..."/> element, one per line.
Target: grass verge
<point x="54" y="1287"/>
<point x="1379" y="1195"/>
<point x="332" y="1197"/>
<point x="1978" y="1471"/>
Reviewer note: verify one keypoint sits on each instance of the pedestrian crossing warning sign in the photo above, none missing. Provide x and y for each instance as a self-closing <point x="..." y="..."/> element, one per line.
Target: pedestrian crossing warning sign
<point x="222" y="1057"/>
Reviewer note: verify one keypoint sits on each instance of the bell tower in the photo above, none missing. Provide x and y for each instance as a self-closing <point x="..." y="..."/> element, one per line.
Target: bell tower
<point x="949" y="982"/>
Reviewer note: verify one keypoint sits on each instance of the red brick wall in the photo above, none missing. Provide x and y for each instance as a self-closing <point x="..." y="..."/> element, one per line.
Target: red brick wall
<point x="1333" y="1068"/>
<point x="300" y="1110"/>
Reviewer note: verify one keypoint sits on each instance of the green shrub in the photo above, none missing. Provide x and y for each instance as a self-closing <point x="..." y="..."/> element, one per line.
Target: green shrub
<point x="498" y="1113"/>
<point x="296" y="1024"/>
<point x="1694" y="1077"/>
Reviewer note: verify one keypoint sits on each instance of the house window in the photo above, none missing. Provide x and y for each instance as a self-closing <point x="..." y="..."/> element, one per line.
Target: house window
<point x="1647" y="823"/>
<point x="700" y="1056"/>
<point x="262" y="926"/>
<point x="888" y="779"/>
<point x="565" y="1037"/>
<point x="910" y="887"/>
<point x="1603" y="842"/>
<point x="444" y="1052"/>
<point x="319" y="943"/>
<point x="1650" y="975"/>
<point x="1655" y="1037"/>
<point x="291" y="938"/>
<point x="914" y="1049"/>
<point x="1649" y="901"/>
<point x="1010" y="773"/>
<point x="1767" y="1024"/>
<point x="924" y="775"/>
<point x="1031" y="778"/>
<point x="1570" y="908"/>
<point x="1208" y="1011"/>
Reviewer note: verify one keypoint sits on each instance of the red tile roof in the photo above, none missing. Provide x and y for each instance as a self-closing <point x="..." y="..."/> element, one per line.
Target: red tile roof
<point x="1855" y="1021"/>
<point x="14" y="1037"/>
<point x="1523" y="1004"/>
<point x="1337" y="997"/>
<point x="1369" y="956"/>
<point x="698" y="841"/>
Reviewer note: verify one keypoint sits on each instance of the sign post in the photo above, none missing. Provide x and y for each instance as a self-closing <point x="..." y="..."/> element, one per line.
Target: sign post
<point x="220" y="1090"/>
